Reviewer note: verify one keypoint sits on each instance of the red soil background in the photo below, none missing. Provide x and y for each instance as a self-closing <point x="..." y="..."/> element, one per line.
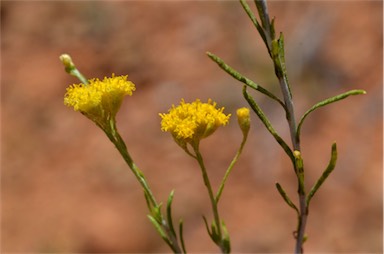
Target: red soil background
<point x="64" y="186"/>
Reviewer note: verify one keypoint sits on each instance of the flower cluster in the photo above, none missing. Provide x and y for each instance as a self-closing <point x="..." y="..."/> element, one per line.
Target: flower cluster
<point x="100" y="99"/>
<point x="191" y="122"/>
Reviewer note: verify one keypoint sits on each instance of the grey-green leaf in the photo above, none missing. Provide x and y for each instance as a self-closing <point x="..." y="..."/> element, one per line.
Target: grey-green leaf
<point x="254" y="21"/>
<point x="159" y="229"/>
<point x="169" y="212"/>
<point x="326" y="102"/>
<point x="324" y="176"/>
<point x="286" y="198"/>
<point x="282" y="61"/>
<point x="182" y="236"/>
<point x="236" y="75"/>
<point x="208" y="230"/>
<point x="268" y="124"/>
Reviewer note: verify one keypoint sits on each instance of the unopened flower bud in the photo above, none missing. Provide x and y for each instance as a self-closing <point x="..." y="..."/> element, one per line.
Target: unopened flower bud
<point x="67" y="61"/>
<point x="297" y="154"/>
<point x="244" y="119"/>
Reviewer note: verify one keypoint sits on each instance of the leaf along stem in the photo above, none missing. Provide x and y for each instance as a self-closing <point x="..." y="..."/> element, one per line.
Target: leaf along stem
<point x="286" y="198"/>
<point x="324" y="176"/>
<point x="231" y="165"/>
<point x="326" y="102"/>
<point x="235" y="74"/>
<point x="215" y="210"/>
<point x="161" y="224"/>
<point x="268" y="124"/>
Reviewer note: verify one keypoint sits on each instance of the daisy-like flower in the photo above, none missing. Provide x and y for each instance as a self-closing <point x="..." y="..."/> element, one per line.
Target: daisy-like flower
<point x="99" y="100"/>
<point x="191" y="122"/>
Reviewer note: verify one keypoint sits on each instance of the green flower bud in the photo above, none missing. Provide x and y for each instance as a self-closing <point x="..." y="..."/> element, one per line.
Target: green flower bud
<point x="244" y="120"/>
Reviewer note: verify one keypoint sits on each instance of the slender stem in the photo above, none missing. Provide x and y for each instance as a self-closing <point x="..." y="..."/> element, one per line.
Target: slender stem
<point x="116" y="139"/>
<point x="211" y="196"/>
<point x="76" y="73"/>
<point x="302" y="223"/>
<point x="122" y="148"/>
<point x="172" y="237"/>
<point x="265" y="21"/>
<point x="233" y="162"/>
<point x="290" y="113"/>
<point x="276" y="50"/>
<point x="303" y="214"/>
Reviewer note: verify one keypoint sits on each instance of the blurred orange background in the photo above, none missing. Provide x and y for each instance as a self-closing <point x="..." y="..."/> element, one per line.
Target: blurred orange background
<point x="64" y="186"/>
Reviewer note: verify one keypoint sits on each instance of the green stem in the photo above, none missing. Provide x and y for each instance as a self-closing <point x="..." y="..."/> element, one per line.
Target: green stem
<point x="279" y="65"/>
<point x="207" y="183"/>
<point x="116" y="139"/>
<point x="119" y="143"/>
<point x="233" y="162"/>
<point x="76" y="73"/>
<point x="276" y="50"/>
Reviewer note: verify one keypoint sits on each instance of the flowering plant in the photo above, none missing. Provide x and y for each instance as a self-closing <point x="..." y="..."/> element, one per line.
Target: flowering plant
<point x="190" y="123"/>
<point x="275" y="47"/>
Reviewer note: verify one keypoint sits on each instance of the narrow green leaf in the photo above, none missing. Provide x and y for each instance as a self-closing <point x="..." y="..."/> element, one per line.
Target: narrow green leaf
<point x="268" y="124"/>
<point x="169" y="213"/>
<point x="254" y="21"/>
<point x="326" y="102"/>
<point x="159" y="230"/>
<point x="208" y="230"/>
<point x="162" y="234"/>
<point x="156" y="212"/>
<point x="324" y="176"/>
<point x="275" y="54"/>
<point x="273" y="28"/>
<point x="215" y="235"/>
<point x="286" y="198"/>
<point x="241" y="78"/>
<point x="182" y="236"/>
<point x="282" y="62"/>
<point x="148" y="201"/>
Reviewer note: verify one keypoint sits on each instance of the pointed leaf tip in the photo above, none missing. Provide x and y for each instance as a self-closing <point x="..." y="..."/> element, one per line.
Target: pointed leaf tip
<point x="285" y="197"/>
<point x="331" y="166"/>
<point x="324" y="103"/>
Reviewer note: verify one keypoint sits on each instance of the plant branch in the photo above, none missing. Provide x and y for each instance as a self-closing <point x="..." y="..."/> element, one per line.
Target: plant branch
<point x="235" y="74"/>
<point x="169" y="236"/>
<point x="216" y="235"/>
<point x="233" y="162"/>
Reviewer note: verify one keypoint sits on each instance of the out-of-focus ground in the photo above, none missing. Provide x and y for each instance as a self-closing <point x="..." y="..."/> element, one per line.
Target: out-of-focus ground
<point x="64" y="187"/>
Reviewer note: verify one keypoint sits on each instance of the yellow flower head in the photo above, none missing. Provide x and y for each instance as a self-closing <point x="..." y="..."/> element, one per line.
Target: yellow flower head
<point x="100" y="99"/>
<point x="191" y="122"/>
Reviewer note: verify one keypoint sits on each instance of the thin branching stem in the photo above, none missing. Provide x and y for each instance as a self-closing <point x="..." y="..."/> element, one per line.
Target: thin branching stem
<point x="215" y="210"/>
<point x="119" y="143"/>
<point x="233" y="162"/>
